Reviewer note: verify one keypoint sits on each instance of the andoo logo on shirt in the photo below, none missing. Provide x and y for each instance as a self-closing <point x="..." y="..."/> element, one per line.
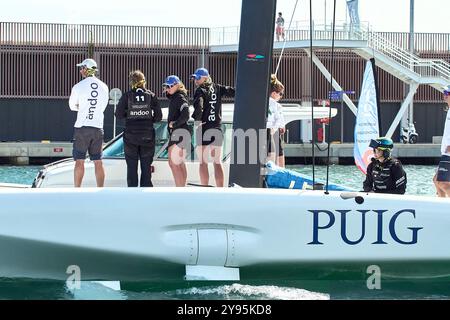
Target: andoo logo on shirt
<point x="212" y="103"/>
<point x="93" y="100"/>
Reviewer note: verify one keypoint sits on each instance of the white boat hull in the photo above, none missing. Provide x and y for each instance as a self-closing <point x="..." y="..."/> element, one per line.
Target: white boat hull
<point x="150" y="234"/>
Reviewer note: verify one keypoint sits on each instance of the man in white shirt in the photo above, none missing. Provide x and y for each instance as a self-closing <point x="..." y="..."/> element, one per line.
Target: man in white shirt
<point x="89" y="98"/>
<point x="442" y="177"/>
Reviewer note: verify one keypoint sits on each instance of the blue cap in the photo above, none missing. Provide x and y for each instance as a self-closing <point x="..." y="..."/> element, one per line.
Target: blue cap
<point x="171" y="81"/>
<point x="200" y="72"/>
<point x="446" y="90"/>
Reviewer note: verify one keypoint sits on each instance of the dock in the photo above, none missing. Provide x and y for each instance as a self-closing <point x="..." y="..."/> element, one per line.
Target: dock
<point x="24" y="153"/>
<point x="20" y="153"/>
<point x="342" y="153"/>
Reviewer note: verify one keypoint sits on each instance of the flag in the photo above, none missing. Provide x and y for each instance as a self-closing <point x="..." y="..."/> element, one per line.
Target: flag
<point x="352" y="6"/>
<point x="367" y="126"/>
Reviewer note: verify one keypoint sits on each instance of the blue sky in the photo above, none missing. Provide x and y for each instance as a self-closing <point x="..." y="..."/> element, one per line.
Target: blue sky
<point x="384" y="15"/>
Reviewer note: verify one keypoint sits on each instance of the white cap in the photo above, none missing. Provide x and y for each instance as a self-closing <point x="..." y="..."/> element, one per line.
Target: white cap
<point x="88" y="63"/>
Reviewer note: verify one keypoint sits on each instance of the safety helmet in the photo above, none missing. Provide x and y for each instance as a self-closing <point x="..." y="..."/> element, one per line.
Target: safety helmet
<point x="384" y="144"/>
<point x="88" y="64"/>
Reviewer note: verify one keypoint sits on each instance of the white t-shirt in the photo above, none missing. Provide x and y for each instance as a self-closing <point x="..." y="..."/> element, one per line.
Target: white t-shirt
<point x="446" y="136"/>
<point x="275" y="117"/>
<point x="90" y="98"/>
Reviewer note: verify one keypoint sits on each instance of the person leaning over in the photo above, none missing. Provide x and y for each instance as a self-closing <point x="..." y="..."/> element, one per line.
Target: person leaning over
<point x="89" y="98"/>
<point x="208" y="111"/>
<point x="140" y="108"/>
<point x="275" y="123"/>
<point x="442" y="177"/>
<point x="385" y="174"/>
<point x="179" y="134"/>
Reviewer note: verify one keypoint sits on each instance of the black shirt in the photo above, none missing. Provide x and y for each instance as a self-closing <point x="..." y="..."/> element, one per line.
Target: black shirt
<point x="385" y="177"/>
<point x="144" y="97"/>
<point x="178" y="109"/>
<point x="208" y="104"/>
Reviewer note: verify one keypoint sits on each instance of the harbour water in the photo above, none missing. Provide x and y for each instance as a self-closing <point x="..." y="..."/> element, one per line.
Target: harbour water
<point x="419" y="183"/>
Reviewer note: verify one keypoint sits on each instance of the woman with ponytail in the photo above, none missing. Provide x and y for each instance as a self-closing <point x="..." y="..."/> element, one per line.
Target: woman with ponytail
<point x="140" y="109"/>
<point x="275" y="123"/>
<point x="180" y="135"/>
<point x="208" y="114"/>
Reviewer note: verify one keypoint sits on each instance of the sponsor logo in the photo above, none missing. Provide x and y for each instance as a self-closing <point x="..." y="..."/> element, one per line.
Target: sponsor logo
<point x="325" y="221"/>
<point x="93" y="100"/>
<point x="140" y="113"/>
<point x="255" y="57"/>
<point x="212" y="104"/>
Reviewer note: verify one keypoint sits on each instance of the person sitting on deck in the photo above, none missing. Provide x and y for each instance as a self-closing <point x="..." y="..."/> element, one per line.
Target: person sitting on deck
<point x="385" y="174"/>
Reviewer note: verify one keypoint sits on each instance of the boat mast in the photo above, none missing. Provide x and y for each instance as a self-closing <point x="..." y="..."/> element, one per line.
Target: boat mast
<point x="252" y="90"/>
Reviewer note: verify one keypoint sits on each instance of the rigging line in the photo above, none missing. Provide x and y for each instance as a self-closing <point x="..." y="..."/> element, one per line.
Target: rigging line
<point x="285" y="39"/>
<point x="331" y="89"/>
<point x="312" y="87"/>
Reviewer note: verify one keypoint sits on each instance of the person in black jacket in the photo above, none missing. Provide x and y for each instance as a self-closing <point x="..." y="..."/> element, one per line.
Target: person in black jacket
<point x="140" y="108"/>
<point x="180" y="137"/>
<point x="384" y="174"/>
<point x="208" y="113"/>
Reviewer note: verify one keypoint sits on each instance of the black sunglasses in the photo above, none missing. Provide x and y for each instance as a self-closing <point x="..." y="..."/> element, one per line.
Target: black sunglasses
<point x="169" y="86"/>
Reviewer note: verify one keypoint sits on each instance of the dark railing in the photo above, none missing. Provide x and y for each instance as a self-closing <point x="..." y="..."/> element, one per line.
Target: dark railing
<point x="38" y="60"/>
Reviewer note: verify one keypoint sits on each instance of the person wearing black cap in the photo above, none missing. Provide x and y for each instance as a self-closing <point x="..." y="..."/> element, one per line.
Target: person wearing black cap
<point x="442" y="177"/>
<point x="180" y="137"/>
<point x="140" y="108"/>
<point x="385" y="174"/>
<point x="208" y="112"/>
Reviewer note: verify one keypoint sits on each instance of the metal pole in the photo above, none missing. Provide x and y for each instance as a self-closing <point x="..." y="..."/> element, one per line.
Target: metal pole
<point x="411" y="50"/>
<point x="203" y="58"/>
<point x="114" y="121"/>
<point x="342" y="117"/>
<point x="325" y="19"/>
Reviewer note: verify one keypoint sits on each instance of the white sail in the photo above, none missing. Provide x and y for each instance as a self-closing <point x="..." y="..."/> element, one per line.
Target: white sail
<point x="366" y="126"/>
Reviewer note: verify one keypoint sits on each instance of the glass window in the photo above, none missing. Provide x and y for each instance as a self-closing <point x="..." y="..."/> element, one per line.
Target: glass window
<point x="226" y="148"/>
<point x="115" y="149"/>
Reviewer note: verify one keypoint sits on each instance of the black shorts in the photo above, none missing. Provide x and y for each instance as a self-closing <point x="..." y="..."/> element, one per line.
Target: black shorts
<point x="443" y="173"/>
<point x="87" y="139"/>
<point x="182" y="137"/>
<point x="275" y="142"/>
<point x="209" y="136"/>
